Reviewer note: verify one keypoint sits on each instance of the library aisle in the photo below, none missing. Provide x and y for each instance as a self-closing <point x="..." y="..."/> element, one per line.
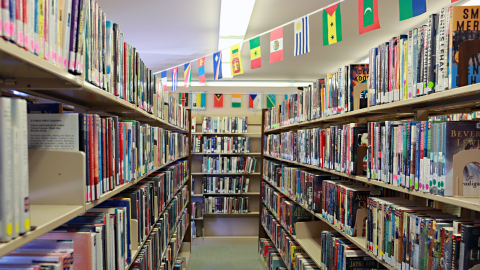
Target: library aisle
<point x="239" y="134"/>
<point x="220" y="257"/>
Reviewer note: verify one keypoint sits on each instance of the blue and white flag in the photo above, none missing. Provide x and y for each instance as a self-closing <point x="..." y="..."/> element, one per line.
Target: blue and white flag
<point x="174" y="78"/>
<point x="302" y="42"/>
<point x="164" y="80"/>
<point x="217" y="65"/>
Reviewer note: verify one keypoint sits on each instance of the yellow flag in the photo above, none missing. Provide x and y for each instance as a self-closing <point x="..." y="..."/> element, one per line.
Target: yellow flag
<point x="235" y="60"/>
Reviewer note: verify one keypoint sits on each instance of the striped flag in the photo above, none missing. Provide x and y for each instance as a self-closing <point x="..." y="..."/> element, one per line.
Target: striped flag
<point x="198" y="100"/>
<point x="201" y="70"/>
<point x="411" y="8"/>
<point x="236" y="100"/>
<point x="276" y="45"/>
<point x="217" y="65"/>
<point x="302" y="43"/>
<point x="183" y="99"/>
<point x="174" y="78"/>
<point x="255" y="53"/>
<point x="163" y="75"/>
<point x="187" y="73"/>
<point x="332" y="25"/>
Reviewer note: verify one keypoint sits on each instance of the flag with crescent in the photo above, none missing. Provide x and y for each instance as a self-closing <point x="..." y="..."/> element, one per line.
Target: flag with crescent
<point x="367" y="16"/>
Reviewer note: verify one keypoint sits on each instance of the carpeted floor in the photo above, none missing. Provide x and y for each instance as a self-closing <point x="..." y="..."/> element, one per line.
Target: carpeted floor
<point x="221" y="257"/>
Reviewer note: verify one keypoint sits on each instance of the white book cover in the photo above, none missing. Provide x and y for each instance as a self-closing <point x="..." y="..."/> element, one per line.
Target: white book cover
<point x="54" y="131"/>
<point x="6" y="171"/>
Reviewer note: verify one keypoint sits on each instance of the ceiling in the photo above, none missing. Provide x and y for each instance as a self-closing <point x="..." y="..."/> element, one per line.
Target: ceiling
<point x="171" y="33"/>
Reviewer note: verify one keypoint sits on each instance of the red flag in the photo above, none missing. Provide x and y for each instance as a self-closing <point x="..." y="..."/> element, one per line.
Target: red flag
<point x="367" y="16"/>
<point x="218" y="101"/>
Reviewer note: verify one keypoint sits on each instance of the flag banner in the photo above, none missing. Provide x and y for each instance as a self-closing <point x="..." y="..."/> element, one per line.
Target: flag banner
<point x="367" y="16"/>
<point x="218" y="100"/>
<point x="217" y="65"/>
<point x="187" y="73"/>
<point x="302" y="43"/>
<point x="411" y="8"/>
<point x="236" y="100"/>
<point x="271" y="98"/>
<point x="174" y="78"/>
<point x="332" y="25"/>
<point x="201" y="70"/>
<point x="183" y="99"/>
<point x="235" y="60"/>
<point x="163" y="75"/>
<point x="198" y="100"/>
<point x="276" y="45"/>
<point x="453" y="1"/>
<point x="255" y="101"/>
<point x="255" y="53"/>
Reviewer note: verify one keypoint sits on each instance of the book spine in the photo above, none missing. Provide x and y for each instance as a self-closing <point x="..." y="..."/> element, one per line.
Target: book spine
<point x="6" y="172"/>
<point x="72" y="48"/>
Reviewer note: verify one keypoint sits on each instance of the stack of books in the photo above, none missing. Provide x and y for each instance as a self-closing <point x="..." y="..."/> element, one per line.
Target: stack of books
<point x="217" y="124"/>
<point x="226" y="205"/>
<point x="236" y="184"/>
<point x="221" y="145"/>
<point x="229" y="164"/>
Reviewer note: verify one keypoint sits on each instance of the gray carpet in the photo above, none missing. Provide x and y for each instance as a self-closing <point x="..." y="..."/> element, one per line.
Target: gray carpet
<point x="221" y="257"/>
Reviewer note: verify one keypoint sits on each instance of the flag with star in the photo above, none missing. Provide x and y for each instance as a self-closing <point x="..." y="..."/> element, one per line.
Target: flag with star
<point x="332" y="25"/>
<point x="187" y="75"/>
<point x="367" y="16"/>
<point x="174" y="78"/>
<point x="235" y="60"/>
<point x="255" y="53"/>
<point x="218" y="100"/>
<point x="183" y="99"/>
<point x="271" y="98"/>
<point x="217" y="65"/>
<point x="411" y="8"/>
<point x="201" y="70"/>
<point x="163" y="75"/>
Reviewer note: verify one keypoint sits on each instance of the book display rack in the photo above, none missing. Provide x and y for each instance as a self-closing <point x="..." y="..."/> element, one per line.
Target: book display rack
<point x="219" y="153"/>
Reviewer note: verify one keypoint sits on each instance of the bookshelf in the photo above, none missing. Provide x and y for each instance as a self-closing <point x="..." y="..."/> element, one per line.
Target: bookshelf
<point x="218" y="227"/>
<point x="57" y="178"/>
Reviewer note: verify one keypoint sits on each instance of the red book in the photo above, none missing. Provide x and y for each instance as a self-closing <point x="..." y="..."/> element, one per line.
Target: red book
<point x="96" y="130"/>
<point x="91" y="157"/>
<point x="104" y="156"/>
<point x="120" y="132"/>
<point x="111" y="151"/>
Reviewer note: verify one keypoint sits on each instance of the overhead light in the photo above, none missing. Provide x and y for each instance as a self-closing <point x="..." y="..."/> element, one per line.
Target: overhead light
<point x="247" y="84"/>
<point x="235" y="17"/>
<point x="471" y="3"/>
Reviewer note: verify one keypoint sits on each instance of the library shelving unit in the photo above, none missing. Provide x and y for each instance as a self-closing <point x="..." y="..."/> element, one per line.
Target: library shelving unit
<point x="460" y="100"/>
<point x="57" y="178"/>
<point x="230" y="228"/>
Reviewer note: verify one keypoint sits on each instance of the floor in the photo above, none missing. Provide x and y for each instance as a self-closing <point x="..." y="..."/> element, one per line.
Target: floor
<point x="221" y="257"/>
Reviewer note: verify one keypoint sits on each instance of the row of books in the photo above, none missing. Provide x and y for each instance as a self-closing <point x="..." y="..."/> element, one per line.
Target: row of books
<point x="271" y="257"/>
<point x="304" y="186"/>
<point x="229" y="164"/>
<point x="220" y="145"/>
<point x="14" y="174"/>
<point x="287" y="212"/>
<point x="225" y="124"/>
<point x="225" y="205"/>
<point x="416" y="155"/>
<point x="177" y="114"/>
<point x="236" y="184"/>
<point x="419" y="62"/>
<point x="117" y="151"/>
<point x="283" y="241"/>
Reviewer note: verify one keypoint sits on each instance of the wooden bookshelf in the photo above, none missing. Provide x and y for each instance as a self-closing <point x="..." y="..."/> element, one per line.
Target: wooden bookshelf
<point x="231" y="194"/>
<point x="255" y="173"/>
<point x="228" y="154"/>
<point x="233" y="214"/>
<point x="229" y="134"/>
<point x="468" y="203"/>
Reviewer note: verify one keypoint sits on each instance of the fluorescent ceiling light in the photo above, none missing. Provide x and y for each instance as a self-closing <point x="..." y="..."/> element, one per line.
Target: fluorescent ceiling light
<point x="471" y="3"/>
<point x="247" y="84"/>
<point x="234" y="17"/>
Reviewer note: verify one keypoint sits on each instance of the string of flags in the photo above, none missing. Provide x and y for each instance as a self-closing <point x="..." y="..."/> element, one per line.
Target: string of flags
<point x="368" y="20"/>
<point x="197" y="100"/>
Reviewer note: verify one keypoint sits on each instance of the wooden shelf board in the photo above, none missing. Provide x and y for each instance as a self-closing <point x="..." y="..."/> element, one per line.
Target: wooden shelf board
<point x="198" y="218"/>
<point x="228" y="154"/>
<point x="437" y="103"/>
<point x="45" y="218"/>
<point x="256" y="173"/>
<point x="468" y="203"/>
<point x="358" y="241"/>
<point x="121" y="188"/>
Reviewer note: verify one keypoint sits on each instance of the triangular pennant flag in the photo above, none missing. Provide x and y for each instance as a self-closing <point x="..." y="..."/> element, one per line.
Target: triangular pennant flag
<point x="367" y="16"/>
<point x="271" y="99"/>
<point x="218" y="100"/>
<point x="332" y="25"/>
<point x="187" y="73"/>
<point x="236" y="100"/>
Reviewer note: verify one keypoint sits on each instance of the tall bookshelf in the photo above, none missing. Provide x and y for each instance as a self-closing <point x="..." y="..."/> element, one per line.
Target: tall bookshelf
<point x="22" y="72"/>
<point x="227" y="228"/>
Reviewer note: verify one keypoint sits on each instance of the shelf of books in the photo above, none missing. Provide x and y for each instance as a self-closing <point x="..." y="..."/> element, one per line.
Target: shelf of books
<point x="225" y="174"/>
<point x="69" y="176"/>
